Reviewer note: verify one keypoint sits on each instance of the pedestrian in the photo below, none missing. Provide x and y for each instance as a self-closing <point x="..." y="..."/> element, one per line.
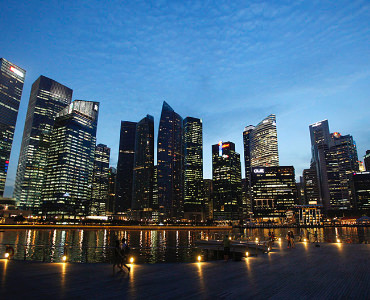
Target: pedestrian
<point x="288" y="240"/>
<point x="226" y="243"/>
<point x="117" y="257"/>
<point x="125" y="250"/>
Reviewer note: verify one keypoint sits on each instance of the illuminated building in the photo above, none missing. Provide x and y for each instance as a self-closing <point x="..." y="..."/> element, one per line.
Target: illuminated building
<point x="100" y="181"/>
<point x="274" y="191"/>
<point x="367" y="160"/>
<point x="170" y="160"/>
<point x="334" y="157"/>
<point x="208" y="202"/>
<point x="193" y="169"/>
<point x="227" y="186"/>
<point x="47" y="98"/>
<point x="11" y="86"/>
<point x="69" y="172"/>
<point x="247" y="136"/>
<point x="112" y="173"/>
<point x="360" y="185"/>
<point x="143" y="174"/>
<point x="310" y="186"/>
<point x="125" y="166"/>
<point x="309" y="214"/>
<point x="263" y="144"/>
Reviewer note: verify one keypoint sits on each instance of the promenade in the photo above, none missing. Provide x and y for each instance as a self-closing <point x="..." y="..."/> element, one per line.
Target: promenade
<point x="332" y="271"/>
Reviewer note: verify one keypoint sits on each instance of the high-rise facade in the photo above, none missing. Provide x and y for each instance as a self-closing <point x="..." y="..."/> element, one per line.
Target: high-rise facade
<point x="334" y="157"/>
<point x="112" y="173"/>
<point x="208" y="200"/>
<point x="143" y="174"/>
<point x="11" y="86"/>
<point x="125" y="166"/>
<point x="193" y="169"/>
<point x="264" y="144"/>
<point x="367" y="160"/>
<point x="70" y="163"/>
<point x="360" y="186"/>
<point x="100" y="181"/>
<point x="170" y="160"/>
<point x="311" y="186"/>
<point x="227" y="186"/>
<point x="47" y="98"/>
<point x="274" y="191"/>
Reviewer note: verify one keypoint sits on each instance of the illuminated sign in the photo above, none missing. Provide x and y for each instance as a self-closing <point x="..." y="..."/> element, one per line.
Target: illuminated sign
<point x="316" y="124"/>
<point x="336" y="135"/>
<point x="259" y="171"/>
<point x="95" y="107"/>
<point x="220" y="148"/>
<point x="14" y="70"/>
<point x="225" y="145"/>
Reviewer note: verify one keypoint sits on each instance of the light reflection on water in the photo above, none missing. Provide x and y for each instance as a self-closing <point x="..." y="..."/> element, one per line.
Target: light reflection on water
<point x="150" y="246"/>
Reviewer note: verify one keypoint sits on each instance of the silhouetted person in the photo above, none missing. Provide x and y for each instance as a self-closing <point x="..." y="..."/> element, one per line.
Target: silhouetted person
<point x="117" y="257"/>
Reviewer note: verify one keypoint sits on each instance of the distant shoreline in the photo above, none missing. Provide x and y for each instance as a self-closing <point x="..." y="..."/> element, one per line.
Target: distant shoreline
<point x="156" y="227"/>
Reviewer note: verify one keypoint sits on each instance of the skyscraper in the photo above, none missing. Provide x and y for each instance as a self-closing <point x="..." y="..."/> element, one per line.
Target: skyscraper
<point x="125" y="166"/>
<point x="143" y="175"/>
<point x="111" y="190"/>
<point x="227" y="186"/>
<point x="274" y="191"/>
<point x="70" y="163"/>
<point x="100" y="181"/>
<point x="11" y="86"/>
<point x="47" y="98"/>
<point x="367" y="160"/>
<point x="170" y="159"/>
<point x="311" y="186"/>
<point x="334" y="157"/>
<point x="264" y="143"/>
<point x="193" y="169"/>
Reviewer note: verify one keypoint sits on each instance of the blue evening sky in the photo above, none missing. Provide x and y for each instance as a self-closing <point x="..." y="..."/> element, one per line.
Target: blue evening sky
<point x="231" y="63"/>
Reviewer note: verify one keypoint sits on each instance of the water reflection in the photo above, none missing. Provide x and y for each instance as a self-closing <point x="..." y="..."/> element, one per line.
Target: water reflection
<point x="146" y="245"/>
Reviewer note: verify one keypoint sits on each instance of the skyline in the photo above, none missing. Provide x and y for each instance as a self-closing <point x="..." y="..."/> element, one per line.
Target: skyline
<point x="304" y="63"/>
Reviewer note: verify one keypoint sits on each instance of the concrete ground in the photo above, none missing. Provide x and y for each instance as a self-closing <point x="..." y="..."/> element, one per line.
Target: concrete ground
<point x="332" y="271"/>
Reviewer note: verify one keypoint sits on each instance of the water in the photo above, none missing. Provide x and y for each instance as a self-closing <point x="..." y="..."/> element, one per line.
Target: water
<point x="147" y="246"/>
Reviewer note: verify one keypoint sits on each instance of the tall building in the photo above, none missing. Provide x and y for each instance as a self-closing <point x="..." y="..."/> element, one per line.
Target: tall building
<point x="193" y="169"/>
<point x="143" y="175"/>
<point x="334" y="157"/>
<point x="125" y="166"/>
<point x="227" y="186"/>
<point x="274" y="191"/>
<point x="11" y="86"/>
<point x="360" y="185"/>
<point x="263" y="144"/>
<point x="208" y="200"/>
<point x="311" y="186"/>
<point x="367" y="160"/>
<point x="47" y="98"/>
<point x="100" y="181"/>
<point x="112" y="173"/>
<point x="69" y="172"/>
<point x="247" y="136"/>
<point x="170" y="160"/>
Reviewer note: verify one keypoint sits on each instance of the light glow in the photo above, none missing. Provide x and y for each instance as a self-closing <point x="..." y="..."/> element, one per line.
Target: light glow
<point x="14" y="70"/>
<point x="64" y="258"/>
<point x="247" y="254"/>
<point x="131" y="260"/>
<point x="199" y="258"/>
<point x="7" y="255"/>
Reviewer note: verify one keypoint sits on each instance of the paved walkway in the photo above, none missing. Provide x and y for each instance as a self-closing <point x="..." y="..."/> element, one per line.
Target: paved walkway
<point x="333" y="271"/>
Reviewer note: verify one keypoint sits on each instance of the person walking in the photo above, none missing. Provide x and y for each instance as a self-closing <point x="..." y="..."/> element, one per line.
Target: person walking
<point x="288" y="240"/>
<point x="117" y="257"/>
<point x="316" y="240"/>
<point x="301" y="235"/>
<point x="226" y="243"/>
<point x="125" y="249"/>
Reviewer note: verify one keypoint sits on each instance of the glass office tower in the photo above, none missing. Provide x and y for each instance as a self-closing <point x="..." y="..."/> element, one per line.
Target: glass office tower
<point x="69" y="171"/>
<point x="144" y="166"/>
<point x="170" y="159"/>
<point x="226" y="178"/>
<point x="11" y="86"/>
<point x="193" y="169"/>
<point x="125" y="166"/>
<point x="47" y="98"/>
<point x="100" y="181"/>
<point x="274" y="191"/>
